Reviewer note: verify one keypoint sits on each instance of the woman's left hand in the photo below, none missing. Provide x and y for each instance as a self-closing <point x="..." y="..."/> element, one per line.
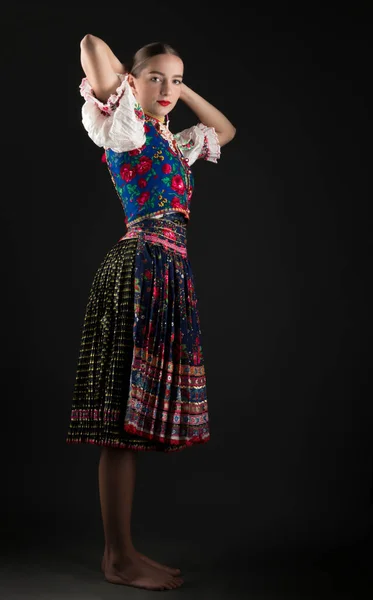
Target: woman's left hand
<point x="184" y="90"/>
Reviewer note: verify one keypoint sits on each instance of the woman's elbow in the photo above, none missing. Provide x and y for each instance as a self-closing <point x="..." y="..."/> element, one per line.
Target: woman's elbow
<point x="88" y="40"/>
<point x="229" y="132"/>
<point x="226" y="136"/>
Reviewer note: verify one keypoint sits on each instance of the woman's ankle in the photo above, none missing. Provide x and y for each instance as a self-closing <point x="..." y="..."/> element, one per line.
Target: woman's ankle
<point x="117" y="555"/>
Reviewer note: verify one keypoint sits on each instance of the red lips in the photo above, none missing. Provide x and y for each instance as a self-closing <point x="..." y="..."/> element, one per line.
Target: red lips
<point x="163" y="102"/>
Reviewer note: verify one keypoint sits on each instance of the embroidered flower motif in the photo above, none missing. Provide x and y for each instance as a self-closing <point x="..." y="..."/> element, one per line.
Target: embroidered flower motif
<point x="144" y="197"/>
<point x="136" y="151"/>
<point x="127" y="172"/>
<point x="197" y="354"/>
<point x="166" y="168"/>
<point x="138" y="112"/>
<point x="177" y="184"/>
<point x="175" y="202"/>
<point x="205" y="148"/>
<point x="151" y="178"/>
<point x="144" y="165"/>
<point x="142" y="183"/>
<point x="169" y="234"/>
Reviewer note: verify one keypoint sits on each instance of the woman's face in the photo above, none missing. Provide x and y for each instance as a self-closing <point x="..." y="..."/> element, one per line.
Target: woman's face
<point x="159" y="81"/>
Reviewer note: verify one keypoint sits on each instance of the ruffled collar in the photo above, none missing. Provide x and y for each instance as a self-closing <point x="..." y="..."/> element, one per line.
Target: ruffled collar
<point x="156" y="121"/>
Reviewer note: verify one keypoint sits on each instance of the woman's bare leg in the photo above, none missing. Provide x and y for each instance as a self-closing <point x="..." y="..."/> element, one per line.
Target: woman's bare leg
<point x="123" y="565"/>
<point x="131" y="488"/>
<point x="117" y="473"/>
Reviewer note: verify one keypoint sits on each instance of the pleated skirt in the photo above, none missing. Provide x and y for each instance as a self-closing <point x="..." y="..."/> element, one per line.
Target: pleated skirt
<point x="140" y="379"/>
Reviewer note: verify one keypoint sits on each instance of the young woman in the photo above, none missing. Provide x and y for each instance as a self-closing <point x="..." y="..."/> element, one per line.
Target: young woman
<point x="140" y="382"/>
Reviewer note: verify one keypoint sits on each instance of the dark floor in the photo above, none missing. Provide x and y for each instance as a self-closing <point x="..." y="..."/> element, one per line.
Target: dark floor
<point x="50" y="566"/>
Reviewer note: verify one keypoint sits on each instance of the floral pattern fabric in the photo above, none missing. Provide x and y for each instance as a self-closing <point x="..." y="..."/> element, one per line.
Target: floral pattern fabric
<point x="141" y="380"/>
<point x="149" y="166"/>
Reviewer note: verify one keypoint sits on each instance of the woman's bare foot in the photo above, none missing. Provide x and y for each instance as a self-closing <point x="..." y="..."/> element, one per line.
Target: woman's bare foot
<point x="157" y="565"/>
<point x="149" y="561"/>
<point x="131" y="570"/>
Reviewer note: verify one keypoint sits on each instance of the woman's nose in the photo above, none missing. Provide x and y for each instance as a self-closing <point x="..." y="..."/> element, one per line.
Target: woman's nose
<point x="166" y="88"/>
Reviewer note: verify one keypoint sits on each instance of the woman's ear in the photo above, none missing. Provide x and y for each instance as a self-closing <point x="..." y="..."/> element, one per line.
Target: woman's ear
<point x="131" y="81"/>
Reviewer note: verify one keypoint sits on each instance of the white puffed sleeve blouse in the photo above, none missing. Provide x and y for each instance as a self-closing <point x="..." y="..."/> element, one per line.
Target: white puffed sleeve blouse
<point x="118" y="124"/>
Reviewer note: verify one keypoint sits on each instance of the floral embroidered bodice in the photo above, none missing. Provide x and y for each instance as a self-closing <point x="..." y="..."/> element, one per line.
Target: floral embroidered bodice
<point x="149" y="166"/>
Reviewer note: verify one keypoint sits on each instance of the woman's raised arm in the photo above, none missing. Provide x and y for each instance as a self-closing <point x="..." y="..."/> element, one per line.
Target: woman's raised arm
<point x="208" y="114"/>
<point x="100" y="66"/>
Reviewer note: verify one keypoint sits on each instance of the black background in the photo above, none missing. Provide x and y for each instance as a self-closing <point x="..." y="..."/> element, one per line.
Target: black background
<point x="280" y="242"/>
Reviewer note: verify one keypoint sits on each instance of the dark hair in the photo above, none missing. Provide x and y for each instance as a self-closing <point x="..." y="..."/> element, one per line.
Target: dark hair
<point x="140" y="59"/>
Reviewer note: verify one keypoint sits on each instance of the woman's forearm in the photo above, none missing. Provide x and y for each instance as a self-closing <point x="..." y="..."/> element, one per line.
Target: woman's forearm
<point x="91" y="43"/>
<point x="208" y="114"/>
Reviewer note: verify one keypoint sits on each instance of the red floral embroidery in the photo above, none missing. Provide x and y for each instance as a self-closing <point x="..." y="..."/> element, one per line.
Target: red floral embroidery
<point x="170" y="234"/>
<point x="136" y="151"/>
<point x="142" y="183"/>
<point x="157" y="181"/>
<point x="175" y="202"/>
<point x="197" y="354"/>
<point x="144" y="165"/>
<point x="127" y="172"/>
<point x="139" y="114"/>
<point x="205" y="149"/>
<point x="177" y="184"/>
<point x="144" y="197"/>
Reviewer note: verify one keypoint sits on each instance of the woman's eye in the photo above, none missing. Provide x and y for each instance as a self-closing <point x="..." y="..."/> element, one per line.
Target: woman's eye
<point x="178" y="81"/>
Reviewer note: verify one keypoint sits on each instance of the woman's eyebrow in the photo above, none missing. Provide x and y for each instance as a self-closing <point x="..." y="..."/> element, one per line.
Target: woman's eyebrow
<point x="159" y="73"/>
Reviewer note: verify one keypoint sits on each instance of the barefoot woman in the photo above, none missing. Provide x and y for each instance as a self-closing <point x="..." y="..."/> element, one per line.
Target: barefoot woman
<point x="140" y="382"/>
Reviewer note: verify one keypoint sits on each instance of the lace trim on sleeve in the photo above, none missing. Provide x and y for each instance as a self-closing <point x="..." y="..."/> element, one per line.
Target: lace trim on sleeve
<point x="197" y="142"/>
<point x="118" y="123"/>
<point x="112" y="102"/>
<point x="211" y="150"/>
